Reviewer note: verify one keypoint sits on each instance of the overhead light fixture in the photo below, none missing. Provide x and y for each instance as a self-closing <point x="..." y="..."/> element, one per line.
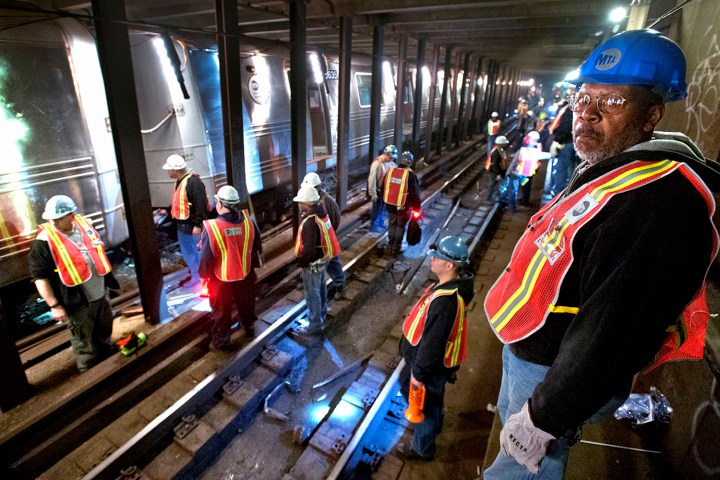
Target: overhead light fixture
<point x="618" y="14"/>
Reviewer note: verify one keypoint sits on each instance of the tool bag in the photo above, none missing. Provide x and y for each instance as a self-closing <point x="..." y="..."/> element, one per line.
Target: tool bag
<point x="414" y="231"/>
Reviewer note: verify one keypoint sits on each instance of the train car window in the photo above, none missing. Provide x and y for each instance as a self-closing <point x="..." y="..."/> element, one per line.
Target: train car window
<point x="313" y="99"/>
<point x="44" y="107"/>
<point x="363" y="82"/>
<point x="408" y="92"/>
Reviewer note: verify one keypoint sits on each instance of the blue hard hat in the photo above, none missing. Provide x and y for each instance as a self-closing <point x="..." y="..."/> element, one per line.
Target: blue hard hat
<point x="392" y="151"/>
<point x="638" y="57"/>
<point x="452" y="249"/>
<point x="407" y="159"/>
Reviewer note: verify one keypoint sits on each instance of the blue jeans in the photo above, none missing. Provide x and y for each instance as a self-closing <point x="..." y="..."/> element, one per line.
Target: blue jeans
<point x="335" y="271"/>
<point x="519" y="379"/>
<point x="315" y="294"/>
<point x="190" y="253"/>
<point x="377" y="214"/>
<point x="510" y="195"/>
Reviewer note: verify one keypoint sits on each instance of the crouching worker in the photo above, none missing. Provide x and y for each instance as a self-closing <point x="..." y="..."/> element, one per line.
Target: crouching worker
<point x="229" y="253"/>
<point x="71" y="272"/>
<point x="434" y="343"/>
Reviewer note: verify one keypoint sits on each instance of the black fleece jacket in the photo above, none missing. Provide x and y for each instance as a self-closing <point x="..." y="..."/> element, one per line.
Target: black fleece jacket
<point x="426" y="359"/>
<point x="636" y="265"/>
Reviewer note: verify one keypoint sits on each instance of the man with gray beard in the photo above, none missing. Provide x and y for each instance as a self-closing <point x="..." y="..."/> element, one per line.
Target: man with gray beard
<point x="611" y="265"/>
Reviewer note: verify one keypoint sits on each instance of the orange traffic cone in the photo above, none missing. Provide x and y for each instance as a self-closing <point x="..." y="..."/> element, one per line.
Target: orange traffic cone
<point x="416" y="402"/>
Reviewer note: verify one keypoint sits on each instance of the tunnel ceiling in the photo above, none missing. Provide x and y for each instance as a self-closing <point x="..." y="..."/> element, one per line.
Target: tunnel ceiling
<point x="545" y="38"/>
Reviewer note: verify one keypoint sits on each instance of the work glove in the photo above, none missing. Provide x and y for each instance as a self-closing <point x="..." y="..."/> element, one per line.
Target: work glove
<point x="523" y="441"/>
<point x="374" y="198"/>
<point x="554" y="149"/>
<point x="498" y="177"/>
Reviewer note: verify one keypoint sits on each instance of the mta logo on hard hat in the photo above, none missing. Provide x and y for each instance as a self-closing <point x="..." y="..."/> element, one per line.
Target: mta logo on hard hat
<point x="608" y="59"/>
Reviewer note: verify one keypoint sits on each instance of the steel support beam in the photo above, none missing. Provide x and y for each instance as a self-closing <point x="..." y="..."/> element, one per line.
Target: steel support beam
<point x="298" y="100"/>
<point x="113" y="44"/>
<point x="474" y="121"/>
<point x="231" y="95"/>
<point x="12" y="375"/>
<point x="417" y="100"/>
<point x="453" y="103"/>
<point x="431" y="103"/>
<point x="444" y="98"/>
<point x="399" y="136"/>
<point x="376" y="90"/>
<point x="343" y="127"/>
<point x="463" y="100"/>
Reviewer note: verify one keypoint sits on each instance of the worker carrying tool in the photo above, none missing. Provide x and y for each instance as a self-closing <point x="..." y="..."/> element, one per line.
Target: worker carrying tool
<point x="434" y="343"/>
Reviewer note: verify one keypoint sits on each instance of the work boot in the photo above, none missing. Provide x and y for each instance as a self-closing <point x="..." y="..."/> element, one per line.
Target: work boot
<point x="340" y="293"/>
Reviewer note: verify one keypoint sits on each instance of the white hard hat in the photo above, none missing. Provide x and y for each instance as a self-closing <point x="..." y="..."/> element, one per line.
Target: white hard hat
<point x="501" y="140"/>
<point x="494" y="114"/>
<point x="534" y="135"/>
<point x="307" y="195"/>
<point x="175" y="162"/>
<point x="58" y="206"/>
<point x="227" y="195"/>
<point x="312" y="179"/>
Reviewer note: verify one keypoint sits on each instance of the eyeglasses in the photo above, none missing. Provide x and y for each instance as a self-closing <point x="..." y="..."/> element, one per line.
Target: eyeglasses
<point x="608" y="104"/>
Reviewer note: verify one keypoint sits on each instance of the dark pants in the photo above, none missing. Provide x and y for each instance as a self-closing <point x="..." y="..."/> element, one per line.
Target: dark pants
<point x="90" y="329"/>
<point x="396" y="227"/>
<point x="492" y="185"/>
<point x="567" y="160"/>
<point x="427" y="430"/>
<point x="223" y="295"/>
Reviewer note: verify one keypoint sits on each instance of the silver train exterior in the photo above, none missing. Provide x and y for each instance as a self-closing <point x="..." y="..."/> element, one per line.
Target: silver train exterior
<point x="57" y="135"/>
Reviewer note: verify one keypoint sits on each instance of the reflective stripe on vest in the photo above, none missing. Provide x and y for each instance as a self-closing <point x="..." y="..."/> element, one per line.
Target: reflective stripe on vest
<point x="456" y="346"/>
<point x="180" y="208"/>
<point x="556" y="121"/>
<point x="328" y="239"/>
<point x="528" y="160"/>
<point x="231" y="244"/>
<point x="396" y="186"/>
<point x="69" y="260"/>
<point x="521" y="299"/>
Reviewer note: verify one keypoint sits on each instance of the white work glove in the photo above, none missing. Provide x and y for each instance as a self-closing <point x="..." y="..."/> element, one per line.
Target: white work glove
<point x="554" y="149"/>
<point x="523" y="441"/>
<point x="374" y="198"/>
<point x="498" y="177"/>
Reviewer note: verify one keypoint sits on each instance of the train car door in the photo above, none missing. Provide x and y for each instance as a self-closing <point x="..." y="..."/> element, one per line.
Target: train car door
<point x="316" y="103"/>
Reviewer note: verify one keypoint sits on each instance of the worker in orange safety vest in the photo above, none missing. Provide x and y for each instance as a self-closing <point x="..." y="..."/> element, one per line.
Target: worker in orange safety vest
<point x="229" y="253"/>
<point x="190" y="207"/>
<point x="609" y="278"/>
<point x="71" y="272"/>
<point x="401" y="197"/>
<point x="315" y="245"/>
<point x="434" y="343"/>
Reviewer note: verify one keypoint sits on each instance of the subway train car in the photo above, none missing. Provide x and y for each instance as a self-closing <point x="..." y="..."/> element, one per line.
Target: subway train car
<point x="58" y="138"/>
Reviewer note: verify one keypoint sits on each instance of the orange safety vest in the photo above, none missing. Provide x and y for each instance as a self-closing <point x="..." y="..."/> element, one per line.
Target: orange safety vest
<point x="231" y="244"/>
<point x="396" y="186"/>
<point x="456" y="347"/>
<point x="69" y="260"/>
<point x="493" y="127"/>
<point x="180" y="208"/>
<point x="503" y="155"/>
<point x="520" y="301"/>
<point x="328" y="240"/>
<point x="556" y="120"/>
<point x="528" y="161"/>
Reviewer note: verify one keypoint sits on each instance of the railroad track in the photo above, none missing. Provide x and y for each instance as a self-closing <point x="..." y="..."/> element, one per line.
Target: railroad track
<point x="36" y="449"/>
